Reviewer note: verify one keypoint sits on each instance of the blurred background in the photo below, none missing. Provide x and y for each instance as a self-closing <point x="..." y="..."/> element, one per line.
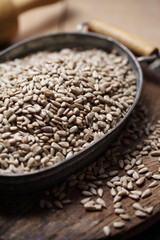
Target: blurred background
<point x="22" y="19"/>
<point x="141" y="18"/>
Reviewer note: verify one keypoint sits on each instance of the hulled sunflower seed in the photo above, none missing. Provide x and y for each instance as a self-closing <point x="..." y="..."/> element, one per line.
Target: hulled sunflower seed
<point x="137" y="206"/>
<point x="58" y="204"/>
<point x="119" y="211"/>
<point x="106" y="230"/>
<point x="125" y="216"/>
<point x="113" y="192"/>
<point x="140" y="214"/>
<point x="148" y="210"/>
<point x="118" y="205"/>
<point x="101" y="202"/>
<point x="87" y="193"/>
<point x="140" y="181"/>
<point x="100" y="192"/>
<point x="118" y="224"/>
<point x="156" y="176"/>
<point x="85" y="200"/>
<point x="146" y="193"/>
<point x="155" y="153"/>
<point x="153" y="184"/>
<point x="143" y="170"/>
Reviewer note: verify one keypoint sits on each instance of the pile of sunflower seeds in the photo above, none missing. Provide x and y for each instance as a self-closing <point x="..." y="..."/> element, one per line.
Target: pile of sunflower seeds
<point x="122" y="170"/>
<point x="52" y="105"/>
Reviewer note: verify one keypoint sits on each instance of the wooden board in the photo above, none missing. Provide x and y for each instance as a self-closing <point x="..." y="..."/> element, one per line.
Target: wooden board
<point x="21" y="217"/>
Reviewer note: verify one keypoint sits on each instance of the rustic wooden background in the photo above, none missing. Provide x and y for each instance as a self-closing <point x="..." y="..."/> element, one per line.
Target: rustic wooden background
<point x="20" y="217"/>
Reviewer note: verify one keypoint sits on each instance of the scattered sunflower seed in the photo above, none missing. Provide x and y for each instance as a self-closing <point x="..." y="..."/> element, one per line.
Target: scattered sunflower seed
<point x="146" y="193"/>
<point x="118" y="224"/>
<point x="106" y="230"/>
<point x="140" y="214"/>
<point x="101" y="202"/>
<point x="156" y="176"/>
<point x="148" y="210"/>
<point x="153" y="184"/>
<point x="125" y="216"/>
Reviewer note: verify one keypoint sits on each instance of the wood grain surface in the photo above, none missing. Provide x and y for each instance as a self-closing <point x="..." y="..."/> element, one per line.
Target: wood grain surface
<point x="20" y="216"/>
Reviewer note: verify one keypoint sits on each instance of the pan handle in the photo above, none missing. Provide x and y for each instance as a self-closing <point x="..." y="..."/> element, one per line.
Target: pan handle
<point x="135" y="44"/>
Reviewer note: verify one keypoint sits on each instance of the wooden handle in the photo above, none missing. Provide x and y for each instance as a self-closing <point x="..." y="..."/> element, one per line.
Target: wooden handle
<point x="135" y="44"/>
<point x="21" y="6"/>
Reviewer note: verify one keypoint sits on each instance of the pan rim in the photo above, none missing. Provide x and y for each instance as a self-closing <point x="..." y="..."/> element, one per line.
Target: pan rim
<point x="39" y="173"/>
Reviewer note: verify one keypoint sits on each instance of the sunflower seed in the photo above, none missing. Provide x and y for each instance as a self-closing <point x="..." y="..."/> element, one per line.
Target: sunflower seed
<point x="146" y="193"/>
<point x="118" y="224"/>
<point x="140" y="214"/>
<point x="140" y="181"/>
<point x="87" y="193"/>
<point x="58" y="204"/>
<point x="85" y="200"/>
<point x="100" y="201"/>
<point x="155" y="153"/>
<point x="156" y="176"/>
<point x="137" y="206"/>
<point x="100" y="192"/>
<point x="119" y="211"/>
<point x="153" y="184"/>
<point x="148" y="210"/>
<point x="106" y="230"/>
<point x="124" y="216"/>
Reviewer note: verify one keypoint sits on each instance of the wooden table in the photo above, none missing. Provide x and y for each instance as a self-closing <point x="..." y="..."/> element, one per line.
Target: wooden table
<point x="20" y="217"/>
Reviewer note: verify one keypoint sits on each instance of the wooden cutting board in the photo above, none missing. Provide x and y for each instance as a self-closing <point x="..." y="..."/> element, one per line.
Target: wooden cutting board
<point x="21" y="217"/>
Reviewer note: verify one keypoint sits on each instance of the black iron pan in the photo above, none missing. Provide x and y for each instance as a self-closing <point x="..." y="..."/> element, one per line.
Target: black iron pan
<point x="40" y="179"/>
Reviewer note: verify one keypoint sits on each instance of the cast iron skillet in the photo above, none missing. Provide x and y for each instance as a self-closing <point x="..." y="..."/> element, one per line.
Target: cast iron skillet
<point x="40" y="179"/>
